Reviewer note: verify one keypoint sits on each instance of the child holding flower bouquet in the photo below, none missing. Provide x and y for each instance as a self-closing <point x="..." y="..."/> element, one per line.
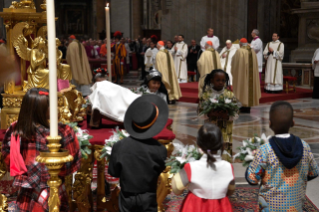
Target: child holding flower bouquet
<point x="220" y="105"/>
<point x="209" y="180"/>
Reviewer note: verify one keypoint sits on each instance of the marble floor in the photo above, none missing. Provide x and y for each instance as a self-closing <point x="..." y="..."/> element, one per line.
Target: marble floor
<point x="306" y="117"/>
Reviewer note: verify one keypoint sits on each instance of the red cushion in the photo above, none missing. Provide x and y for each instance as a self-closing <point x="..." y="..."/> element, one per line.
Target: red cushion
<point x="169" y="123"/>
<point x="108" y="123"/>
<point x="165" y="135"/>
<point x="191" y="73"/>
<point x="289" y="78"/>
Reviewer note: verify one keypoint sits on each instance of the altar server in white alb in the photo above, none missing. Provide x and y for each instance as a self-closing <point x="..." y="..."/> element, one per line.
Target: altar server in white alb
<point x="209" y="37"/>
<point x="257" y="46"/>
<point x="315" y="67"/>
<point x="149" y="57"/>
<point x="226" y="56"/>
<point x="274" y="54"/>
<point x="180" y="52"/>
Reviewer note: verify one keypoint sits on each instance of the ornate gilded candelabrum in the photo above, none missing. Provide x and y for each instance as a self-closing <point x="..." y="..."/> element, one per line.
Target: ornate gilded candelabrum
<point x="44" y="6"/>
<point x="54" y="159"/>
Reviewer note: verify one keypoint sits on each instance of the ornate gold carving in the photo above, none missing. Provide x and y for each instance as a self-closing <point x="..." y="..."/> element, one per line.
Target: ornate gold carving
<point x="163" y="187"/>
<point x="3" y="203"/>
<point x="12" y="101"/>
<point x="28" y="4"/>
<point x="12" y="118"/>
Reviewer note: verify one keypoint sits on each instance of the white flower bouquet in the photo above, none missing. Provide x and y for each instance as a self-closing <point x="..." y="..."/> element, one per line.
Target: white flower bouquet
<point x="109" y="143"/>
<point x="222" y="102"/>
<point x="183" y="156"/>
<point x="248" y="151"/>
<point x="83" y="138"/>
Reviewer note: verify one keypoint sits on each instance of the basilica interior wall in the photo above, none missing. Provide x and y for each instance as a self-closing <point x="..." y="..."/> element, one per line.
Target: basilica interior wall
<point x="192" y="18"/>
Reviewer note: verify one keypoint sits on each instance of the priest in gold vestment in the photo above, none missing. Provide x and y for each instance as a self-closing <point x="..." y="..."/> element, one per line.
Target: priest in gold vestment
<point x="208" y="61"/>
<point x="81" y="71"/>
<point x="246" y="84"/>
<point x="164" y="63"/>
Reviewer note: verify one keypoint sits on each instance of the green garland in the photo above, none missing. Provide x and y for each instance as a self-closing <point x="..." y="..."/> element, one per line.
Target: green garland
<point x="83" y="138"/>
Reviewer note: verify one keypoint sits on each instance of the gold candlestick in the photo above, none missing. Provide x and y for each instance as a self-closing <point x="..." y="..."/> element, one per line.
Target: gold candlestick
<point x="54" y="159"/>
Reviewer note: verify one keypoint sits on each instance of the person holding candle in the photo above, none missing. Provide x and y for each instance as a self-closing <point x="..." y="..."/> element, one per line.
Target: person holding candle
<point x="23" y="142"/>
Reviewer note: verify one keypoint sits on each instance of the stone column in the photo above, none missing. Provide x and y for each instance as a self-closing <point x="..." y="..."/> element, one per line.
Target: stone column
<point x="120" y="17"/>
<point x="100" y="18"/>
<point x="136" y="18"/>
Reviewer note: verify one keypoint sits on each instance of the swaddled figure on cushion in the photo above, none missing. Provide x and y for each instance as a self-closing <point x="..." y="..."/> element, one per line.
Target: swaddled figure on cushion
<point x="153" y="85"/>
<point x="108" y="100"/>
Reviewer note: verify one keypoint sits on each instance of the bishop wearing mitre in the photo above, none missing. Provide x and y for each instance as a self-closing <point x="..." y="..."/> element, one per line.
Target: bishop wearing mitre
<point x="246" y="84"/>
<point x="208" y="61"/>
<point x="226" y="56"/>
<point x="164" y="63"/>
<point x="180" y="52"/>
<point x="274" y="54"/>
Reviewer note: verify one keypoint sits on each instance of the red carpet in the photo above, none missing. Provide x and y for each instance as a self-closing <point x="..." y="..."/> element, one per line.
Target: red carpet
<point x="190" y="94"/>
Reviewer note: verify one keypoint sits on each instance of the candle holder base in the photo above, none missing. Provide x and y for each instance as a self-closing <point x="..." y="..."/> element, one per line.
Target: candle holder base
<point x="54" y="161"/>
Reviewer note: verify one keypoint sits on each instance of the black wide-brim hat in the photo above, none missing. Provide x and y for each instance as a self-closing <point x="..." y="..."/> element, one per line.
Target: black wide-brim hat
<point x="146" y="117"/>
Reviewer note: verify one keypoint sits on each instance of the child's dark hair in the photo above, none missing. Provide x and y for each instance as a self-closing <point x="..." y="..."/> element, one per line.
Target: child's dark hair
<point x="210" y="139"/>
<point x="212" y="75"/>
<point x="281" y="117"/>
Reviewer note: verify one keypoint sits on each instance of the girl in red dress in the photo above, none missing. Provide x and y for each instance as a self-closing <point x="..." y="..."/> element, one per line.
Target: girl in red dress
<point x="209" y="180"/>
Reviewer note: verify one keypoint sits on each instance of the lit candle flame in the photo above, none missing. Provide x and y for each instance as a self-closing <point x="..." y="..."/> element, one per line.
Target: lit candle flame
<point x="107" y="5"/>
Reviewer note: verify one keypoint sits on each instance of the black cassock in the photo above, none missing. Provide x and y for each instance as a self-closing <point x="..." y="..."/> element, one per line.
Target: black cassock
<point x="192" y="57"/>
<point x="138" y="164"/>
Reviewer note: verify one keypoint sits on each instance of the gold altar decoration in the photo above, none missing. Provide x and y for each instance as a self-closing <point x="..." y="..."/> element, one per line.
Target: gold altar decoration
<point x="27" y="40"/>
<point x="164" y="183"/>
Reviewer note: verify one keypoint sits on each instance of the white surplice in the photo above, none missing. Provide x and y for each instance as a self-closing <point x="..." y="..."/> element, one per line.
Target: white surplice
<point x="180" y="60"/>
<point x="226" y="62"/>
<point x="274" y="72"/>
<point x="149" y="57"/>
<point x="315" y="67"/>
<point x="214" y="40"/>
<point x="257" y="45"/>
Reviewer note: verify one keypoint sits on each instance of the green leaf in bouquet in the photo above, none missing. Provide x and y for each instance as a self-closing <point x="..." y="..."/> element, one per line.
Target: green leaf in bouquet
<point x="84" y="155"/>
<point x="87" y="150"/>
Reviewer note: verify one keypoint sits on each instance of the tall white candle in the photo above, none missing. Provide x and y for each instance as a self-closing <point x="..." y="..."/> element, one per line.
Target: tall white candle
<point x="52" y="69"/>
<point x="108" y="41"/>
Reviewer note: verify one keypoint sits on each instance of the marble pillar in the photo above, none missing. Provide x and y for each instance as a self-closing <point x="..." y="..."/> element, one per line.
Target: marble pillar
<point x="121" y="16"/>
<point x="192" y="18"/>
<point x="308" y="38"/>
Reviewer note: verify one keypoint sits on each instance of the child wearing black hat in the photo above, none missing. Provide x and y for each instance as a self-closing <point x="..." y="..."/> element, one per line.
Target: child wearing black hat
<point x="139" y="159"/>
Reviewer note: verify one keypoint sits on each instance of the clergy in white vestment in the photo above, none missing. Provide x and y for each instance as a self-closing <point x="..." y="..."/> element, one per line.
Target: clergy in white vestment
<point x="180" y="52"/>
<point x="274" y="54"/>
<point x="226" y="56"/>
<point x="149" y="56"/>
<point x="315" y="67"/>
<point x="257" y="46"/>
<point x="209" y="37"/>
